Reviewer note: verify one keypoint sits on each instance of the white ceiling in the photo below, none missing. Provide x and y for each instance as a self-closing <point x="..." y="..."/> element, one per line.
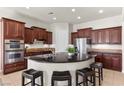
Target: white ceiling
<point x="64" y="14"/>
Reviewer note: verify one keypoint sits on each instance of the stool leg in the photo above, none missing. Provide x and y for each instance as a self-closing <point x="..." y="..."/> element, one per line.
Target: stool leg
<point x="94" y="80"/>
<point x="69" y="82"/>
<point x="52" y="81"/>
<point x="33" y="82"/>
<point x="102" y="73"/>
<point x="99" y="76"/>
<point x="41" y="80"/>
<point x="76" y="79"/>
<point x="84" y="81"/>
<point x="23" y="80"/>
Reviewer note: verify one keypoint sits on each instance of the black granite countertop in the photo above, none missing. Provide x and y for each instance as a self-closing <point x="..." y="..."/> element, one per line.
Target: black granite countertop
<point x="60" y="57"/>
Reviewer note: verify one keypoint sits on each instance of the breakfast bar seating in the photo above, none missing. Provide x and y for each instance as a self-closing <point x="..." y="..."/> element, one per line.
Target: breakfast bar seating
<point x="61" y="76"/>
<point x="99" y="67"/>
<point x="88" y="77"/>
<point x="32" y="74"/>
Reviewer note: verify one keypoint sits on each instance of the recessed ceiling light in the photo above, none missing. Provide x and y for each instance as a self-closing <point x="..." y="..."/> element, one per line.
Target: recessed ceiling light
<point x="73" y="10"/>
<point x="78" y="17"/>
<point x="54" y="18"/>
<point x="101" y="11"/>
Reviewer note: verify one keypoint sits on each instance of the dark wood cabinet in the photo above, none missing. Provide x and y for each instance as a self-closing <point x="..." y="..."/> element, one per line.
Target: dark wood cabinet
<point x="111" y="61"/>
<point x="84" y="33"/>
<point x="13" y="29"/>
<point x="107" y="62"/>
<point x="74" y="35"/>
<point x="117" y="62"/>
<point x="115" y="35"/>
<point x="49" y="38"/>
<point x="29" y="35"/>
<point x="94" y="37"/>
<point x="107" y="36"/>
<point x="99" y="37"/>
<point x="39" y="33"/>
<point x="9" y="68"/>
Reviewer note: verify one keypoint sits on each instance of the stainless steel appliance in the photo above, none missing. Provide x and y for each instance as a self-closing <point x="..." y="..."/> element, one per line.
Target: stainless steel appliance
<point x="83" y="45"/>
<point x="14" y="44"/>
<point x="14" y="51"/>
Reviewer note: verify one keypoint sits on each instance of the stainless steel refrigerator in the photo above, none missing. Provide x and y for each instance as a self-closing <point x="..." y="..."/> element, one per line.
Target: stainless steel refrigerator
<point x="83" y="45"/>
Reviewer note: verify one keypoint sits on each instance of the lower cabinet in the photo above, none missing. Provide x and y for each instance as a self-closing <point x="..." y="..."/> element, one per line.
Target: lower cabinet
<point x="110" y="61"/>
<point x="117" y="62"/>
<point x="8" y="68"/>
<point x="107" y="62"/>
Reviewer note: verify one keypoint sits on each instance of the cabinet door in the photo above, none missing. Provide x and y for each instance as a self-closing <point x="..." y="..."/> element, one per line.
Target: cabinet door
<point x="20" y="30"/>
<point x="9" y="29"/>
<point x="115" y="35"/>
<point x="13" y="29"/>
<point x="81" y="34"/>
<point x="49" y="37"/>
<point x="107" y="61"/>
<point x="74" y="35"/>
<point x="105" y="36"/>
<point x="28" y="36"/>
<point x="94" y="37"/>
<point x="84" y="33"/>
<point x="100" y="35"/>
<point x="87" y="33"/>
<point x="116" y="62"/>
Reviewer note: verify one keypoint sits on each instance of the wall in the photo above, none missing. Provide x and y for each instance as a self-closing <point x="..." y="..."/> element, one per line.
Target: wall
<point x="101" y="23"/>
<point x="60" y="36"/>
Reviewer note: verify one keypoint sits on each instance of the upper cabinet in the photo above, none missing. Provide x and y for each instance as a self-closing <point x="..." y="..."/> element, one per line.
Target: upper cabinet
<point x="107" y="36"/>
<point x="29" y="35"/>
<point x="74" y="35"/>
<point x="13" y="29"/>
<point x="115" y="35"/>
<point x="94" y="37"/>
<point x="49" y="38"/>
<point x="38" y="34"/>
<point x="84" y="33"/>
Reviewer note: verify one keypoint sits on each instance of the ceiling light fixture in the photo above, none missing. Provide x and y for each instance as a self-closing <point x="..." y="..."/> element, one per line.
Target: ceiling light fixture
<point x="54" y="18"/>
<point x="101" y="11"/>
<point x="73" y="10"/>
<point x="78" y="17"/>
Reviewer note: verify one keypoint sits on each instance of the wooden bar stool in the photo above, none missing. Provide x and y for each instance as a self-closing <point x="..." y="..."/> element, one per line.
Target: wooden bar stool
<point x="32" y="74"/>
<point x="61" y="76"/>
<point x="87" y="74"/>
<point x="99" y="67"/>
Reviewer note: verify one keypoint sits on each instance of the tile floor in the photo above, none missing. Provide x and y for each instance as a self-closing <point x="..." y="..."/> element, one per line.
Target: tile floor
<point x="111" y="78"/>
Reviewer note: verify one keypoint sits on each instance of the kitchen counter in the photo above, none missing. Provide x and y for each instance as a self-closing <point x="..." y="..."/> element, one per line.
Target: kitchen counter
<point x="39" y="49"/>
<point x="60" y="58"/>
<point x="118" y="51"/>
<point x="59" y="62"/>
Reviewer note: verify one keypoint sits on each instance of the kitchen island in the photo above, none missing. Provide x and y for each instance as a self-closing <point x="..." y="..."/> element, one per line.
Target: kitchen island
<point x="59" y="62"/>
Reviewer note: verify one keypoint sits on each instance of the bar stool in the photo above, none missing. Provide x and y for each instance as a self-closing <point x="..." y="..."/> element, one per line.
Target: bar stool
<point x="61" y="76"/>
<point x="87" y="74"/>
<point x="32" y="74"/>
<point x="99" y="67"/>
